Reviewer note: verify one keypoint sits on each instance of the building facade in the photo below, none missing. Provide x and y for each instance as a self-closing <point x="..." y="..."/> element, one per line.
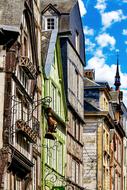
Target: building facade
<point x="64" y="16"/>
<point x="55" y="116"/>
<point x="20" y="91"/>
<point x="117" y="148"/>
<point x="123" y="107"/>
<point x="117" y="143"/>
<point x="104" y="135"/>
<point x="96" y="134"/>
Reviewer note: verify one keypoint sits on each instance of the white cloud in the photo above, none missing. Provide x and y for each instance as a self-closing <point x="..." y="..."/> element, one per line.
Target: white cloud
<point x="103" y="72"/>
<point x="99" y="53"/>
<point x="101" y="5"/>
<point x="109" y="18"/>
<point x="82" y="8"/>
<point x="89" y="45"/>
<point x="88" y="31"/>
<point x="124" y="32"/>
<point x="106" y="73"/>
<point x="105" y="40"/>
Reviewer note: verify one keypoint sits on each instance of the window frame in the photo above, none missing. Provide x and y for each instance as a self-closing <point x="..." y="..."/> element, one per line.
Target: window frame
<point x="34" y="173"/>
<point x="75" y="171"/>
<point x="55" y="18"/>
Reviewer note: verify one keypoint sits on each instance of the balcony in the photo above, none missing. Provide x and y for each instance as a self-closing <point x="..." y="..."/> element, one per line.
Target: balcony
<point x="26" y="130"/>
<point x="27" y="66"/>
<point x="19" y="163"/>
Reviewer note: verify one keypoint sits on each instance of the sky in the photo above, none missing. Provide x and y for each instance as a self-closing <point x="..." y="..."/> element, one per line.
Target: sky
<point x="105" y="29"/>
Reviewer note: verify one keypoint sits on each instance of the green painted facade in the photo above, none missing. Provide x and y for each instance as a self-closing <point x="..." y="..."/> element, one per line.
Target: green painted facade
<point x="54" y="151"/>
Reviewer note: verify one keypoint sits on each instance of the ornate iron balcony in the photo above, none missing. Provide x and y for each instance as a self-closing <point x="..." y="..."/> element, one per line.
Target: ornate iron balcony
<point x="26" y="130"/>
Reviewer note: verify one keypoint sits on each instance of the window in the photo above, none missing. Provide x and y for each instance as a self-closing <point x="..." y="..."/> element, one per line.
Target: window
<point x="23" y="79"/>
<point x="47" y="158"/>
<point x="75" y="171"/>
<point x="54" y="155"/>
<point x="21" y="111"/>
<point x="25" y="48"/>
<point x="60" y="158"/>
<point x="18" y="183"/>
<point x="77" y="81"/>
<point x="76" y="128"/>
<point x="23" y="145"/>
<point x="51" y="23"/>
<point x="59" y="104"/>
<point x="34" y="173"/>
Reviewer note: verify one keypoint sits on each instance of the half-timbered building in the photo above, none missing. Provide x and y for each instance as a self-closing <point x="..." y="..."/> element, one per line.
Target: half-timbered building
<point x="64" y="16"/>
<point x="19" y="95"/>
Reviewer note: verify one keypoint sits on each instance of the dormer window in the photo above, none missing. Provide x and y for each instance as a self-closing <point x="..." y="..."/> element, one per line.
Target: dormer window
<point x="51" y="23"/>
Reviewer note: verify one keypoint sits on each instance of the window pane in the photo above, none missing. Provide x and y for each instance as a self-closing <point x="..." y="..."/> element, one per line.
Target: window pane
<point x="50" y="23"/>
<point x="34" y="173"/>
<point x="73" y="170"/>
<point x="60" y="158"/>
<point x="59" y="104"/>
<point x="77" y="173"/>
<point x="54" y="152"/>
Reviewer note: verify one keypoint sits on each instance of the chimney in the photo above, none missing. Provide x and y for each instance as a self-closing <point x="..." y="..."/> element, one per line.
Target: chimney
<point x="90" y="74"/>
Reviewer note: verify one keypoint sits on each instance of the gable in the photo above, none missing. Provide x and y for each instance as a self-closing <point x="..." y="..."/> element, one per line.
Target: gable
<point x="64" y="6"/>
<point x="50" y="10"/>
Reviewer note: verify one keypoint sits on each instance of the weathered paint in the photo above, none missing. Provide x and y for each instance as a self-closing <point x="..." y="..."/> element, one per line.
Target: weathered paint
<point x="55" y="77"/>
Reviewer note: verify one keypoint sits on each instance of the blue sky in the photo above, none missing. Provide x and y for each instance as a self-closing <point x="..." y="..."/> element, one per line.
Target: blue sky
<point x="105" y="28"/>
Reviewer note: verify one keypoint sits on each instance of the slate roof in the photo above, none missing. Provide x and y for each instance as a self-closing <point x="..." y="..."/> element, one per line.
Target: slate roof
<point x="10" y="14"/>
<point x="63" y="6"/>
<point x="46" y="35"/>
<point x="50" y="39"/>
<point x="88" y="83"/>
<point x="99" y="85"/>
<point x="89" y="107"/>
